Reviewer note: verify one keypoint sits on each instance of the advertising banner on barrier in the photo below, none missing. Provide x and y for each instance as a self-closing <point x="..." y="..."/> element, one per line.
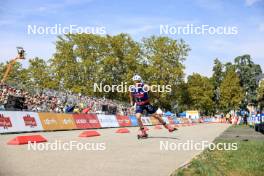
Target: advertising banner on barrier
<point x="49" y="121"/>
<point x="123" y="120"/>
<point x="146" y="120"/>
<point x="185" y="120"/>
<point x="108" y="120"/>
<point x="55" y="121"/>
<point x="15" y="121"/>
<point x="166" y="119"/>
<point x="84" y="121"/>
<point x="176" y="120"/>
<point x="170" y="119"/>
<point x="154" y="121"/>
<point x="133" y="120"/>
<point x="193" y="114"/>
<point x="66" y="121"/>
<point x="259" y="118"/>
<point x="249" y="120"/>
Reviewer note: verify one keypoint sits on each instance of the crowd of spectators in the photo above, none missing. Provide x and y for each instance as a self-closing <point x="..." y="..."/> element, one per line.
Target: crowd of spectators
<point x="60" y="102"/>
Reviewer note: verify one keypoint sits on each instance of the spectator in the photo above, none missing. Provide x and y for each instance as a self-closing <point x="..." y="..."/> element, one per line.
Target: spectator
<point x="60" y="102"/>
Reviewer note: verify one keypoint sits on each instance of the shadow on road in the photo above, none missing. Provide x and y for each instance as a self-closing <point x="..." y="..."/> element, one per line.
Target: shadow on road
<point x="163" y="137"/>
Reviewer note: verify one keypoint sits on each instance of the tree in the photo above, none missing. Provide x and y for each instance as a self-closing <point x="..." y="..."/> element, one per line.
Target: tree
<point x="18" y="75"/>
<point x="75" y="63"/>
<point x="119" y="64"/>
<point x="228" y="66"/>
<point x="231" y="93"/>
<point x="163" y="65"/>
<point x="217" y="80"/>
<point x="184" y="100"/>
<point x="200" y="90"/>
<point x="39" y="75"/>
<point x="248" y="73"/>
<point x="260" y="95"/>
<point x="217" y="73"/>
<point x="64" y="65"/>
<point x="81" y="60"/>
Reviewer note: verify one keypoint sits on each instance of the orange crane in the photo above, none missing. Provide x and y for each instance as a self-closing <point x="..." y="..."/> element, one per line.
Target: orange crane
<point x="20" y="55"/>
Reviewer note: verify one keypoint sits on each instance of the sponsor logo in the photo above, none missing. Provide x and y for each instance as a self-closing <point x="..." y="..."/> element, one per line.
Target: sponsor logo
<point x="144" y="120"/>
<point x="5" y="122"/>
<point x="123" y="121"/>
<point x="107" y="120"/>
<point x="67" y="121"/>
<point x="81" y="121"/>
<point x="84" y="121"/>
<point x="50" y="121"/>
<point x="93" y="121"/>
<point x="29" y="121"/>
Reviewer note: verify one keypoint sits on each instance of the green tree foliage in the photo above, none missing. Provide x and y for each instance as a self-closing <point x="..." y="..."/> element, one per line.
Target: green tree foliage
<point x="260" y="95"/>
<point x="84" y="59"/>
<point x="201" y="91"/>
<point x="231" y="93"/>
<point x="120" y="63"/>
<point x="248" y="72"/>
<point x="65" y="66"/>
<point x="39" y="74"/>
<point x="81" y="60"/>
<point x="184" y="102"/>
<point x="218" y="73"/>
<point x="163" y="59"/>
<point x="17" y="76"/>
<point x="228" y="66"/>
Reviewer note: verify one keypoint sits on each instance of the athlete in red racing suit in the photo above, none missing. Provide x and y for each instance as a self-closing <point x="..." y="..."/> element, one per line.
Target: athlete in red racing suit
<point x="139" y="96"/>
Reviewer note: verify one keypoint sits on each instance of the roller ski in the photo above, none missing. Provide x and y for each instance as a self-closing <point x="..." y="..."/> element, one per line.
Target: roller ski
<point x="170" y="128"/>
<point x="142" y="134"/>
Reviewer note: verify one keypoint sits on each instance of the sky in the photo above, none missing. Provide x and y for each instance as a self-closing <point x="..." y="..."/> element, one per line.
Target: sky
<point x="139" y="18"/>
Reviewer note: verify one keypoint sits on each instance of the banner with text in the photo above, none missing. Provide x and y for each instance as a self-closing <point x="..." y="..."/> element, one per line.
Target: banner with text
<point x="146" y="120"/>
<point x="84" y="121"/>
<point x="123" y="121"/>
<point x="15" y="121"/>
<point x="108" y="120"/>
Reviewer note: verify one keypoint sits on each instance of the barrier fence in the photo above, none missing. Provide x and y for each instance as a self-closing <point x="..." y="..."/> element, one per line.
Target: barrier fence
<point x="255" y="119"/>
<point x="17" y="121"/>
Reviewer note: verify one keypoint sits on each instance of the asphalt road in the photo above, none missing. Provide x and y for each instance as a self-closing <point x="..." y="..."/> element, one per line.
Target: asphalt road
<point x="110" y="154"/>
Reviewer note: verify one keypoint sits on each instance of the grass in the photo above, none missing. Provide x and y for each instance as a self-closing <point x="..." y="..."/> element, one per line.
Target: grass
<point x="248" y="160"/>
